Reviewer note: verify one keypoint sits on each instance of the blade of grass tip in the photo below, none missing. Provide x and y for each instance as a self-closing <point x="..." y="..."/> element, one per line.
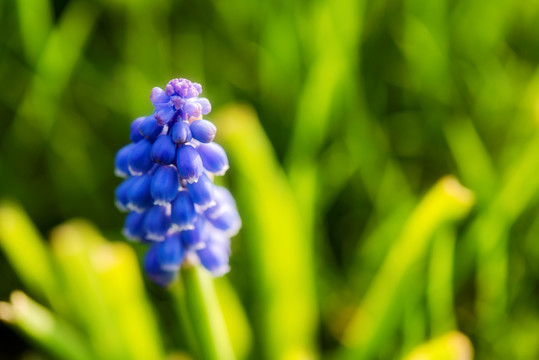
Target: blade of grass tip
<point x="61" y="52"/>
<point x="72" y="243"/>
<point x="206" y="315"/>
<point x="280" y="251"/>
<point x="452" y="346"/>
<point x="479" y="174"/>
<point x="236" y="319"/>
<point x="121" y="282"/>
<point x="440" y="282"/>
<point x="446" y="202"/>
<point x="26" y="251"/>
<point x="35" y="20"/>
<point x="42" y="327"/>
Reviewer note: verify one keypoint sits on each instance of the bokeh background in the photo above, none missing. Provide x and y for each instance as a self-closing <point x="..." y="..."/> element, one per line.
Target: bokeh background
<point x="342" y="121"/>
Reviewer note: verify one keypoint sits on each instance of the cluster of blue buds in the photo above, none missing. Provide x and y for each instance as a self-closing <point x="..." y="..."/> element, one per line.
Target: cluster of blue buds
<point x="168" y="189"/>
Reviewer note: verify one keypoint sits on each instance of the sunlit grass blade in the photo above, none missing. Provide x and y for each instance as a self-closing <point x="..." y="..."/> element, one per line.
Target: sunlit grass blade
<point x="451" y="346"/>
<point x="41" y="326"/>
<point x="121" y="283"/>
<point x="440" y="282"/>
<point x="206" y="316"/>
<point x="236" y="320"/>
<point x="280" y="252"/>
<point x="26" y="251"/>
<point x="446" y="202"/>
<point x="72" y="244"/>
<point x="35" y="18"/>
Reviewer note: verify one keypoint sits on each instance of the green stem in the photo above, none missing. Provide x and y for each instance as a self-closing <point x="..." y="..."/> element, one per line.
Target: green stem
<point x="205" y="313"/>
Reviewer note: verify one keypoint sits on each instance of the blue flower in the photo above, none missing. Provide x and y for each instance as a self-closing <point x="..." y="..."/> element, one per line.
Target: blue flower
<point x="203" y="130"/>
<point x="169" y="193"/>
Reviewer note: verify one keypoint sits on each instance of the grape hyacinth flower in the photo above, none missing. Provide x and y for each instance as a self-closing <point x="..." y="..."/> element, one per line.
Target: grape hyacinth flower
<point x="168" y="190"/>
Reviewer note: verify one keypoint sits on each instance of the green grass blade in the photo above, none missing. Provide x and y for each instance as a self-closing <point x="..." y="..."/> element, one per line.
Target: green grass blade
<point x="26" y="251"/>
<point x="41" y="326"/>
<point x="276" y="242"/>
<point x="440" y="282"/>
<point x="206" y="316"/>
<point x="446" y="202"/>
<point x="72" y="244"/>
<point x="35" y="21"/>
<point x="121" y="283"/>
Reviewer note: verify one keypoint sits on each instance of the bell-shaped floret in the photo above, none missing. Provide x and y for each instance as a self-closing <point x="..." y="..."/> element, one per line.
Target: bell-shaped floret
<point x="134" y="134"/>
<point x="213" y="158"/>
<point x="214" y="256"/>
<point x="121" y="194"/>
<point x="180" y="132"/>
<point x="193" y="239"/>
<point x="189" y="163"/>
<point x="170" y="252"/>
<point x="203" y="130"/>
<point x="121" y="161"/>
<point x="224" y="215"/>
<point x="139" y="157"/>
<point x="157" y="223"/>
<point x="165" y="183"/>
<point x="139" y="195"/>
<point x="183" y="212"/>
<point x="149" y="128"/>
<point x="163" y="150"/>
<point x="134" y="226"/>
<point x="201" y="192"/>
<point x="153" y="269"/>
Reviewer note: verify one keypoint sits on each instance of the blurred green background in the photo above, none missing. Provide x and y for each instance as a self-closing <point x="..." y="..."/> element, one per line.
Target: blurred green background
<point x="342" y="121"/>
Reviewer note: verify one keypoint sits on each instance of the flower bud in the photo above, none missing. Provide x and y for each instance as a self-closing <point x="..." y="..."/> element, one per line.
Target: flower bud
<point x="165" y="184"/>
<point x="153" y="269"/>
<point x="203" y="130"/>
<point x="189" y="163"/>
<point x="192" y="108"/>
<point x="170" y="252"/>
<point x="134" y="226"/>
<point x="163" y="113"/>
<point x="149" y="128"/>
<point x="134" y="134"/>
<point x="139" y="157"/>
<point x="121" y="194"/>
<point x="213" y="158"/>
<point x="214" y="256"/>
<point x="224" y="215"/>
<point x="201" y="192"/>
<point x="206" y="106"/>
<point x="192" y="239"/>
<point x="163" y="150"/>
<point x="158" y="95"/>
<point x="183" y="212"/>
<point x="157" y="223"/>
<point x="121" y="161"/>
<point x="139" y="195"/>
<point x="181" y="133"/>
